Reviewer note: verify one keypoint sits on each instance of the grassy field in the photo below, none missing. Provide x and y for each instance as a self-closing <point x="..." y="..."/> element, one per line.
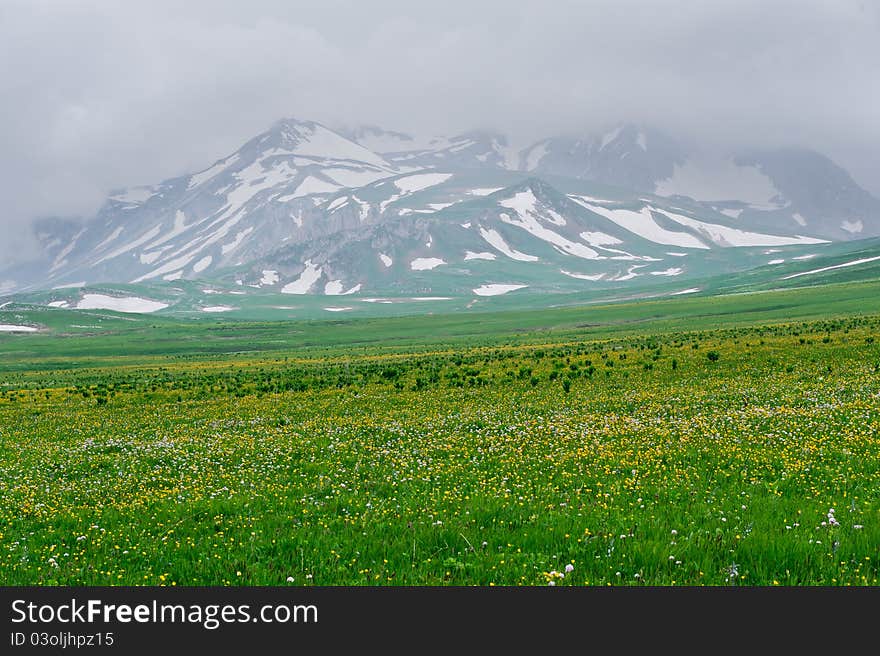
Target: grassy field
<point x="730" y="440"/>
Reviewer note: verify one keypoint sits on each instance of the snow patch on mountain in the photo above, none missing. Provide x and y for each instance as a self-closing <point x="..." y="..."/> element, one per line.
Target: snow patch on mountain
<point x="864" y="260"/>
<point x="112" y="237"/>
<point x="484" y="191"/>
<point x="202" y="264"/>
<point x="494" y="239"/>
<point x="178" y="228"/>
<point x="629" y="275"/>
<point x="147" y="236"/>
<point x="495" y="289"/>
<point x="713" y="180"/>
<point x="525" y="205"/>
<point x="470" y="255"/>
<point x="581" y="199"/>
<point x="235" y="243"/>
<point x="425" y="263"/>
<point x="340" y="202"/>
<point x="413" y="183"/>
<point x="364" y="208"/>
<point x="643" y="224"/>
<point x="599" y="239"/>
<point x="254" y="179"/>
<point x="583" y="276"/>
<point x="12" y="328"/>
<point x="852" y="227"/>
<point x="192" y="248"/>
<point x="207" y="174"/>
<point x="335" y="288"/>
<point x="61" y="259"/>
<point x="725" y="236"/>
<point x="310" y="185"/>
<point x="129" y="304"/>
<point x="305" y="281"/>
<point x="530" y="224"/>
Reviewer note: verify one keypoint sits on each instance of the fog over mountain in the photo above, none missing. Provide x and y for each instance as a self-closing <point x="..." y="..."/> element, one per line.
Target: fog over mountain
<point x="100" y="95"/>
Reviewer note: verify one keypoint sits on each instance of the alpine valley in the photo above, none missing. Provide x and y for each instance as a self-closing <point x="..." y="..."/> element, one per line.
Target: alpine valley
<point x="304" y="219"/>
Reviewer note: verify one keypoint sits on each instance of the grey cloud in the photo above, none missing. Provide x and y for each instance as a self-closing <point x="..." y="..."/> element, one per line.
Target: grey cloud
<point x="101" y="94"/>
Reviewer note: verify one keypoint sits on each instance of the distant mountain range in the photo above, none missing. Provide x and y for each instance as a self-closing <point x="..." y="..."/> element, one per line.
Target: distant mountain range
<point x="305" y="209"/>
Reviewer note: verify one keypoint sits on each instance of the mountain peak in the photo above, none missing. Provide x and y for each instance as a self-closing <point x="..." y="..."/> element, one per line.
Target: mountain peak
<point x="291" y="131"/>
<point x="314" y="140"/>
<point x="535" y="185"/>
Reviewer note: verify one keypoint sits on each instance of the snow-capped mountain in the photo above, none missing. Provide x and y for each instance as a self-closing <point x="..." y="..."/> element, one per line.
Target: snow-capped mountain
<point x="447" y="236"/>
<point x="781" y="190"/>
<point x="235" y="210"/>
<point x="302" y="208"/>
<point x="815" y="192"/>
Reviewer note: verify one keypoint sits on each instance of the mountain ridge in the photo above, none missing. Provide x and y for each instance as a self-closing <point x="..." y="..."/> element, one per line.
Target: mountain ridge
<point x="301" y="189"/>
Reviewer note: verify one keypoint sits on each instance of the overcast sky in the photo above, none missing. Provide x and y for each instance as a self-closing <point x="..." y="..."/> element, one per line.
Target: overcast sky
<point x="103" y="94"/>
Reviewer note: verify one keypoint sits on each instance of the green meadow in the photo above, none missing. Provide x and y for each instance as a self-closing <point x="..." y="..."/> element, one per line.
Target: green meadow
<point x="715" y="440"/>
